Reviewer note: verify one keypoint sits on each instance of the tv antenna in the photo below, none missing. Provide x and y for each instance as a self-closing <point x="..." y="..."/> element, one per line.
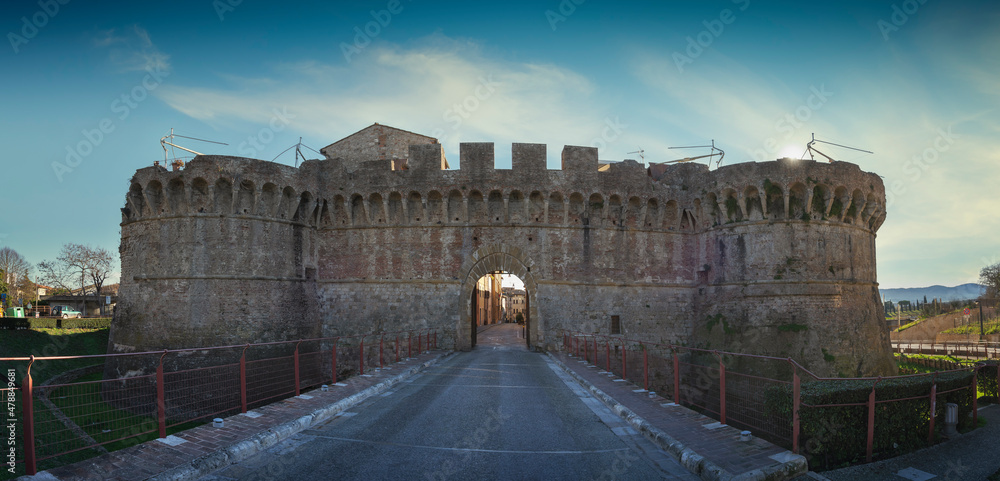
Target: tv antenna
<point x="298" y="152"/>
<point x="810" y="149"/>
<point x="177" y="162"/>
<point x="642" y="158"/>
<point x="715" y="151"/>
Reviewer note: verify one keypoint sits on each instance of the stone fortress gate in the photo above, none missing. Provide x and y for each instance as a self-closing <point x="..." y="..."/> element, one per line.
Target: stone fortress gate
<point x="772" y="258"/>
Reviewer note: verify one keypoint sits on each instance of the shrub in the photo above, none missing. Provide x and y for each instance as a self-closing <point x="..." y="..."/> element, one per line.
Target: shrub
<point x="83" y="323"/>
<point x="837" y="435"/>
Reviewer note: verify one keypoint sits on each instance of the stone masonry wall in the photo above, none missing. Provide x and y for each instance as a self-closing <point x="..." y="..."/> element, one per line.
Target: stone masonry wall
<point x="783" y="251"/>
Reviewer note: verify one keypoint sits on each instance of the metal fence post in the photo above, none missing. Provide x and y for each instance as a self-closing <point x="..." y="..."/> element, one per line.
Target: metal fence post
<point x="27" y="400"/>
<point x="397" y="348"/>
<point x="585" y="357"/>
<point x="420" y="344"/>
<point x="796" y="405"/>
<point x="607" y="354"/>
<point x="380" y="343"/>
<point x="333" y="363"/>
<point x="361" y="368"/>
<point x="871" y="423"/>
<point x="243" y="380"/>
<point x="296" y="365"/>
<point x="677" y="379"/>
<point x="722" y="389"/>
<point x="624" y="362"/>
<point x="645" y="367"/>
<point x="161" y="402"/>
<point x="930" y="433"/>
<point x="975" y="398"/>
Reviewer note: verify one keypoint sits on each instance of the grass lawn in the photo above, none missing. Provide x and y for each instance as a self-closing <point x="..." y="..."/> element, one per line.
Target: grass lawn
<point x="51" y="342"/>
<point x="81" y="403"/>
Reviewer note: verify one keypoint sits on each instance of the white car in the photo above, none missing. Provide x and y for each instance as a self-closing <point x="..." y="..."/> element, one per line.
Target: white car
<point x="66" y="312"/>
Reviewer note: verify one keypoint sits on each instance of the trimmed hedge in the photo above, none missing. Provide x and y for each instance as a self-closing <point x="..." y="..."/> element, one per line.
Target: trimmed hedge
<point x="831" y="437"/>
<point x="11" y="323"/>
<point x="51" y="323"/>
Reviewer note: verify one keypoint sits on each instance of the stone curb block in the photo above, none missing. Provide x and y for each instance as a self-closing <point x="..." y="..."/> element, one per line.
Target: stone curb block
<point x="691" y="460"/>
<point x="261" y="441"/>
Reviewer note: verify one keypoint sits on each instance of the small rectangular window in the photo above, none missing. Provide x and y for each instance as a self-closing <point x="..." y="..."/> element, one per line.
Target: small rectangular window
<point x="616" y="325"/>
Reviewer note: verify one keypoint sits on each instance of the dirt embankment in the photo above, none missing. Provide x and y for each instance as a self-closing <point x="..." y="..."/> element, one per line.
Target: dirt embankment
<point x="929" y="328"/>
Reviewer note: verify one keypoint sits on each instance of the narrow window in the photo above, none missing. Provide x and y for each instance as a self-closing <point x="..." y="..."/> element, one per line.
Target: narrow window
<point x="616" y="325"/>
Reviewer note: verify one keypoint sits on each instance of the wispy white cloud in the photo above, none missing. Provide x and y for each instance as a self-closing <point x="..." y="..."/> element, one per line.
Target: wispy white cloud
<point x="131" y="49"/>
<point x="445" y="88"/>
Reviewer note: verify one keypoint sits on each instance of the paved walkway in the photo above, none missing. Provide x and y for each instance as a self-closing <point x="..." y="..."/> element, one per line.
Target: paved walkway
<point x="500" y="412"/>
<point x="718" y="444"/>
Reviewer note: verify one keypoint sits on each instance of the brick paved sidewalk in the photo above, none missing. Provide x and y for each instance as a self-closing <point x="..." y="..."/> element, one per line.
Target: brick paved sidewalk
<point x="719" y="444"/>
<point x="190" y="453"/>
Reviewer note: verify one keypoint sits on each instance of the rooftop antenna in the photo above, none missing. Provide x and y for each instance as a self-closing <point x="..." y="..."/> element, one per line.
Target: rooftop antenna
<point x="177" y="162"/>
<point x="810" y="149"/>
<point x="715" y="151"/>
<point x="642" y="158"/>
<point x="298" y="152"/>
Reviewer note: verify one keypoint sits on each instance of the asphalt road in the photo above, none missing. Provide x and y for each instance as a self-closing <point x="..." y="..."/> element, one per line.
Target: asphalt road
<point x="498" y="412"/>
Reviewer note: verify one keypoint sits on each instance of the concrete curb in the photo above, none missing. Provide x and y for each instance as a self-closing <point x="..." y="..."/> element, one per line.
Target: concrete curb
<point x="261" y="441"/>
<point x="692" y="461"/>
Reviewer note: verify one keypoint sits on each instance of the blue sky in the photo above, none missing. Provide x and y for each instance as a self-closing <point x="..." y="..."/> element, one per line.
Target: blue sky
<point x="89" y="88"/>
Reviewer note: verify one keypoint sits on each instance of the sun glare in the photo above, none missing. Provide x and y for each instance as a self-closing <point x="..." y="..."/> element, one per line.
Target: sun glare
<point x="791" y="151"/>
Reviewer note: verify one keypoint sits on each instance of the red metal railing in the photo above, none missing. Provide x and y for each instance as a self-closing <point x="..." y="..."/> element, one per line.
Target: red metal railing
<point x="153" y="393"/>
<point x="730" y="386"/>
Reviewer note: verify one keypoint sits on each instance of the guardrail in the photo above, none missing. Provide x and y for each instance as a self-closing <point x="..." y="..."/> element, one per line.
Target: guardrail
<point x="733" y="387"/>
<point x="974" y="350"/>
<point x="160" y="392"/>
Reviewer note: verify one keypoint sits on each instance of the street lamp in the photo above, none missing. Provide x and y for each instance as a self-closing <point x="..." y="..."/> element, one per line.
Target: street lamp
<point x="981" y="332"/>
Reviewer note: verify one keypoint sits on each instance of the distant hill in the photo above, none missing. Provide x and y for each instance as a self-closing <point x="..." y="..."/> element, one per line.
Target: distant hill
<point x="957" y="293"/>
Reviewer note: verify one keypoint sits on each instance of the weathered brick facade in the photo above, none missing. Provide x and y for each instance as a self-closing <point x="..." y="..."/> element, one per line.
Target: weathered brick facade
<point x="772" y="258"/>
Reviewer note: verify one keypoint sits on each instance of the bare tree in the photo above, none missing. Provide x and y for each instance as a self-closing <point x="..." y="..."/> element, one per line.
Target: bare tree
<point x="55" y="275"/>
<point x="990" y="277"/>
<point x="14" y="272"/>
<point x="78" y="262"/>
<point x="69" y="267"/>
<point x="99" y="262"/>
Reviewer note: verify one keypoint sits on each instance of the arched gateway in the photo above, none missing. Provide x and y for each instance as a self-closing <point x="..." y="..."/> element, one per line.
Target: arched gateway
<point x="486" y="260"/>
<point x="231" y="250"/>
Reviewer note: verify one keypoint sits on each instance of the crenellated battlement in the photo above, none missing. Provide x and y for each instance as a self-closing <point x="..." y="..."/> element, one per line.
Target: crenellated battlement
<point x="682" y="197"/>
